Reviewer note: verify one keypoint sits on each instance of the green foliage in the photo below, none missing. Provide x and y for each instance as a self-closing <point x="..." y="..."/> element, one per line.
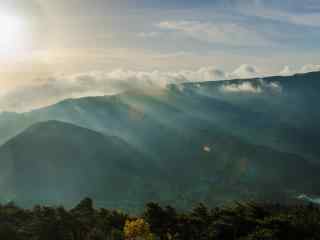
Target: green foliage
<point x="242" y="221"/>
<point x="137" y="229"/>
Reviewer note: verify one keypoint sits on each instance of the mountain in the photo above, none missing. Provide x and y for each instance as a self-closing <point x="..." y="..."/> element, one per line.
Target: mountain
<point x="283" y="117"/>
<point x="58" y="162"/>
<point x="54" y="162"/>
<point x="211" y="142"/>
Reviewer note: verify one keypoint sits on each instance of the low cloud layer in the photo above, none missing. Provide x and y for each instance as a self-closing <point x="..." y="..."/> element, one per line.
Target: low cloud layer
<point x="287" y="70"/>
<point x="50" y="90"/>
<point x="310" y="68"/>
<point x="47" y="91"/>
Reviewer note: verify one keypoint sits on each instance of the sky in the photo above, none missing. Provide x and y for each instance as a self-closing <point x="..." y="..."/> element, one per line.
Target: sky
<point x="52" y="50"/>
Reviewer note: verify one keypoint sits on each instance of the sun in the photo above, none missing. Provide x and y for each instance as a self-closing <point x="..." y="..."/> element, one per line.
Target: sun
<point x="12" y="35"/>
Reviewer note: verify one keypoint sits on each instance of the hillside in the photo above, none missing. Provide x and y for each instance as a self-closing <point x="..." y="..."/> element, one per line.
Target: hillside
<point x="276" y="112"/>
<point x="211" y="142"/>
<point x="54" y="162"/>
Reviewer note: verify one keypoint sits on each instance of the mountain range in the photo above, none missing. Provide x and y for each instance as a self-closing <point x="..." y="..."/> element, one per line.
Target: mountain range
<point x="212" y="142"/>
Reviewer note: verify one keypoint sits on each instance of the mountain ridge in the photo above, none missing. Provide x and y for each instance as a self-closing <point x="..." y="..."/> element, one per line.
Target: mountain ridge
<point x="187" y="144"/>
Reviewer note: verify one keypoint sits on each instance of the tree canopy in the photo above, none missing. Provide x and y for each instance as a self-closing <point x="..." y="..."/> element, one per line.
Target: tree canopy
<point x="243" y="221"/>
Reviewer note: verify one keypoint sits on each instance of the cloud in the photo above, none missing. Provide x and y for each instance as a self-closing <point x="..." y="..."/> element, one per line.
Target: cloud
<point x="245" y="71"/>
<point x="224" y="33"/>
<point x="50" y="90"/>
<point x="310" y="68"/>
<point x="246" y="87"/>
<point x="47" y="91"/>
<point x="304" y="14"/>
<point x="252" y="87"/>
<point x="286" y="71"/>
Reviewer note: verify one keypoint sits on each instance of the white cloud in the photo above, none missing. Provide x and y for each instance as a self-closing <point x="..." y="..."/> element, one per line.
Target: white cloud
<point x="286" y="71"/>
<point x="252" y="87"/>
<point x="50" y="90"/>
<point x="223" y="33"/>
<point x="246" y="87"/>
<point x="310" y="68"/>
<point x="245" y="71"/>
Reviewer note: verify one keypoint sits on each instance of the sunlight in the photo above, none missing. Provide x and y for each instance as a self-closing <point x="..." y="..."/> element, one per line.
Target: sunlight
<point x="12" y="35"/>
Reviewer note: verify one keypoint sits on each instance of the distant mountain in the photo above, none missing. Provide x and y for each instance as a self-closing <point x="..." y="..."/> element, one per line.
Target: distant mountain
<point x="212" y="141"/>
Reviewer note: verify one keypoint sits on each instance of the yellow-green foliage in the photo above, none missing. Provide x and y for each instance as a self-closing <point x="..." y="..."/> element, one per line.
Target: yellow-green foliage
<point x="137" y="230"/>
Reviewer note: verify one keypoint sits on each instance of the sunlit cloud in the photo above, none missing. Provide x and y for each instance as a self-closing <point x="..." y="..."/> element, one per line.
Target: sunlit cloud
<point x="310" y="68"/>
<point x="242" y="87"/>
<point x="245" y="71"/>
<point x="286" y="71"/>
<point x="47" y="91"/>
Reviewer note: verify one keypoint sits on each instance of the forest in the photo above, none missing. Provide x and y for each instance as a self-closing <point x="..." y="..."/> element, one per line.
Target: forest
<point x="239" y="220"/>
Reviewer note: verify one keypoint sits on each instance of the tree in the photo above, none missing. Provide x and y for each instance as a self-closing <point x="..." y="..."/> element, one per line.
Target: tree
<point x="162" y="221"/>
<point x="137" y="230"/>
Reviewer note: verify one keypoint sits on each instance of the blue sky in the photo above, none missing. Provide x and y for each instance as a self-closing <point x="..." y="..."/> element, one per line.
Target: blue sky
<point x="194" y="40"/>
<point x="246" y="28"/>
